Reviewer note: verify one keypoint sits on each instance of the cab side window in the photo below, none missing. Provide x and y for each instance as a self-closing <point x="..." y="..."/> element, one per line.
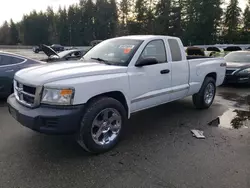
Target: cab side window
<point x="155" y="49"/>
<point x="175" y="50"/>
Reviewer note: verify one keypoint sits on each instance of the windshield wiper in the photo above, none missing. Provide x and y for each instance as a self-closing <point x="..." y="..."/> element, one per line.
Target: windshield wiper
<point x="101" y="60"/>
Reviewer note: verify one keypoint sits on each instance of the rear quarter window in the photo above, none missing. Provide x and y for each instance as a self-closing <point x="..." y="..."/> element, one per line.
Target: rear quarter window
<point x="175" y="50"/>
<point x="16" y="60"/>
<point x="9" y="60"/>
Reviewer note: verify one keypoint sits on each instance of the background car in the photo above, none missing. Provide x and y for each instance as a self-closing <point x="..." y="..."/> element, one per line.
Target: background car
<point x="214" y="52"/>
<point x="238" y="67"/>
<point x="55" y="47"/>
<point x="95" y="42"/>
<point x="66" y="55"/>
<point x="9" y="65"/>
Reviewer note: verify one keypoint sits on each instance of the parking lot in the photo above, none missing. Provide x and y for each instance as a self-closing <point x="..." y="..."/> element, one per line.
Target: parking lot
<point x="157" y="149"/>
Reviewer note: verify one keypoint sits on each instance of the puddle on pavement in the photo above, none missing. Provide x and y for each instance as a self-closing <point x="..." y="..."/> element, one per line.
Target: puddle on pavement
<point x="232" y="119"/>
<point x="239" y="100"/>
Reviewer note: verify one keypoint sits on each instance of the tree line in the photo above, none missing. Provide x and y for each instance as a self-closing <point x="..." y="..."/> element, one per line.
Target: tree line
<point x="194" y="21"/>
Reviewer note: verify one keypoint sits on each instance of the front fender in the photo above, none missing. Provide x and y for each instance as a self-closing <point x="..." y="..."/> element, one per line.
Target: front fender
<point x="91" y="86"/>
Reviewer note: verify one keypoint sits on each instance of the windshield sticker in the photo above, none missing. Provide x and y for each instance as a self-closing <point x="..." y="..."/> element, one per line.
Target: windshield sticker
<point x="126" y="50"/>
<point x="127" y="46"/>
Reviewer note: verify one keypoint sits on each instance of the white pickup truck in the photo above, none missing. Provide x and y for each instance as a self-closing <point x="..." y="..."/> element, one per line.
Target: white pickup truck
<point x="92" y="98"/>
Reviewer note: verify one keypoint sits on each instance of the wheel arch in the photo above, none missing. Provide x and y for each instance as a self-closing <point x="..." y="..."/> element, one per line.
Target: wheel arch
<point x="118" y="95"/>
<point x="212" y="75"/>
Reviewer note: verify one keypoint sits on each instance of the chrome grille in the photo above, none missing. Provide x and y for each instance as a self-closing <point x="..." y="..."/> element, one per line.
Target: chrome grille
<point x="27" y="95"/>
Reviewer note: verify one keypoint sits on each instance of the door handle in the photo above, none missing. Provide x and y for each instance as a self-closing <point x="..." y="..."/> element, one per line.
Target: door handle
<point x="166" y="71"/>
<point x="10" y="70"/>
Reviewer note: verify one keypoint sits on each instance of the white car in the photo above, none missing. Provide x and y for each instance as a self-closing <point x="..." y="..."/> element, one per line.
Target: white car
<point x="92" y="98"/>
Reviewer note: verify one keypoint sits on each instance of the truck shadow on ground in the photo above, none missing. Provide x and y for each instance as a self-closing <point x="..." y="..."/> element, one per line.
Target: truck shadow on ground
<point x="3" y="102"/>
<point x="157" y="123"/>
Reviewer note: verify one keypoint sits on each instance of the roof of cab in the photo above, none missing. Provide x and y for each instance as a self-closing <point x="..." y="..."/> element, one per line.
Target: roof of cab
<point x="144" y="37"/>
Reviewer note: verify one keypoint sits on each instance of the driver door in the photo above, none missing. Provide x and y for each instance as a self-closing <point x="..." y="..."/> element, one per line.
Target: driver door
<point x="151" y="85"/>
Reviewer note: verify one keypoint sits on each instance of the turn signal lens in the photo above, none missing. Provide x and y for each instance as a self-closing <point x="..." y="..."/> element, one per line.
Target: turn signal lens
<point x="66" y="92"/>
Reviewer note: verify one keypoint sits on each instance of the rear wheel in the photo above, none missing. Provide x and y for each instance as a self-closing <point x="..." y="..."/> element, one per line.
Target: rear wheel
<point x="101" y="125"/>
<point x="204" y="99"/>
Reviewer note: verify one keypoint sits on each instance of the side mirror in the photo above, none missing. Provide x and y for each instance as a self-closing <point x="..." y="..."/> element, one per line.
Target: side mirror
<point x="146" y="61"/>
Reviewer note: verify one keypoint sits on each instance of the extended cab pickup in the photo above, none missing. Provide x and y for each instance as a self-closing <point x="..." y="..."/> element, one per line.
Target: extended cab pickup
<point x="92" y="98"/>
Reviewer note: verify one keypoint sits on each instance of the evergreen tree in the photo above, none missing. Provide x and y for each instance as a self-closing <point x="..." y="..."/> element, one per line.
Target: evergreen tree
<point x="35" y="28"/>
<point x="244" y="35"/>
<point x="208" y="21"/>
<point x="74" y="24"/>
<point x="53" y="33"/>
<point x="163" y="9"/>
<point x="5" y="33"/>
<point x="87" y="21"/>
<point x="14" y="34"/>
<point x="141" y="16"/>
<point x="124" y="14"/>
<point x="150" y="17"/>
<point x="232" y="21"/>
<point x="113" y="23"/>
<point x="175" y="18"/>
<point x="246" y="17"/>
<point x="101" y="19"/>
<point x="194" y="21"/>
<point x="62" y="27"/>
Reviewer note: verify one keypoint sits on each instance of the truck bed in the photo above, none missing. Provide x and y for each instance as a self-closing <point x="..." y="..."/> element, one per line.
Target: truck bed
<point x="196" y="57"/>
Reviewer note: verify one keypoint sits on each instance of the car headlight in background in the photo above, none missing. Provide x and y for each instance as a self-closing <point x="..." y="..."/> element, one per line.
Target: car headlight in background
<point x="245" y="71"/>
<point x="57" y="96"/>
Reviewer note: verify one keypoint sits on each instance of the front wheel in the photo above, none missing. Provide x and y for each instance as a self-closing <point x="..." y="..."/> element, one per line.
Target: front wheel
<point x="101" y="125"/>
<point x="204" y="99"/>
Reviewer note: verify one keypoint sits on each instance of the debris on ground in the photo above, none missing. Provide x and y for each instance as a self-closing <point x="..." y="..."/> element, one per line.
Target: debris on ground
<point x="215" y="122"/>
<point x="198" y="134"/>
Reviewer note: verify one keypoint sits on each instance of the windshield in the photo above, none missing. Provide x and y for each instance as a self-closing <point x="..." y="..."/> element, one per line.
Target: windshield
<point x="238" y="57"/>
<point x="114" y="51"/>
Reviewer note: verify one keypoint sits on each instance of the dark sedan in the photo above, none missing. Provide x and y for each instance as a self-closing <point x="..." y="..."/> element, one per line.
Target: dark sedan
<point x="238" y="67"/>
<point x="9" y="65"/>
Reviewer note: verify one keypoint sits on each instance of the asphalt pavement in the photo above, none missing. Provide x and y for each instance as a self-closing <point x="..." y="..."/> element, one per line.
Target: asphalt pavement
<point x="157" y="150"/>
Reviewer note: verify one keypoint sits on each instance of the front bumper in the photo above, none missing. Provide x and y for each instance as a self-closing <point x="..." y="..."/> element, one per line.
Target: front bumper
<point x="237" y="79"/>
<point x="47" y="119"/>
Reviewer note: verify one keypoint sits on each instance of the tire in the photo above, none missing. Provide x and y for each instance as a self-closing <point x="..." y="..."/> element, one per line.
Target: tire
<point x="95" y="112"/>
<point x="199" y="99"/>
<point x="36" y="51"/>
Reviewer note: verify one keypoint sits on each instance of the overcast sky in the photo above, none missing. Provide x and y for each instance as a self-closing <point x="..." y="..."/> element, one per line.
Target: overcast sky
<point x="16" y="8"/>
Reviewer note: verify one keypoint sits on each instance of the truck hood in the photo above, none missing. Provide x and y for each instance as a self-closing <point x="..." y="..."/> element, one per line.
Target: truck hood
<point x="40" y="75"/>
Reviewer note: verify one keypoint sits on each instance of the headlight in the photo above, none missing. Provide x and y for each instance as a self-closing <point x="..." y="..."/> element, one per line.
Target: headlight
<point x="57" y="96"/>
<point x="245" y="71"/>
